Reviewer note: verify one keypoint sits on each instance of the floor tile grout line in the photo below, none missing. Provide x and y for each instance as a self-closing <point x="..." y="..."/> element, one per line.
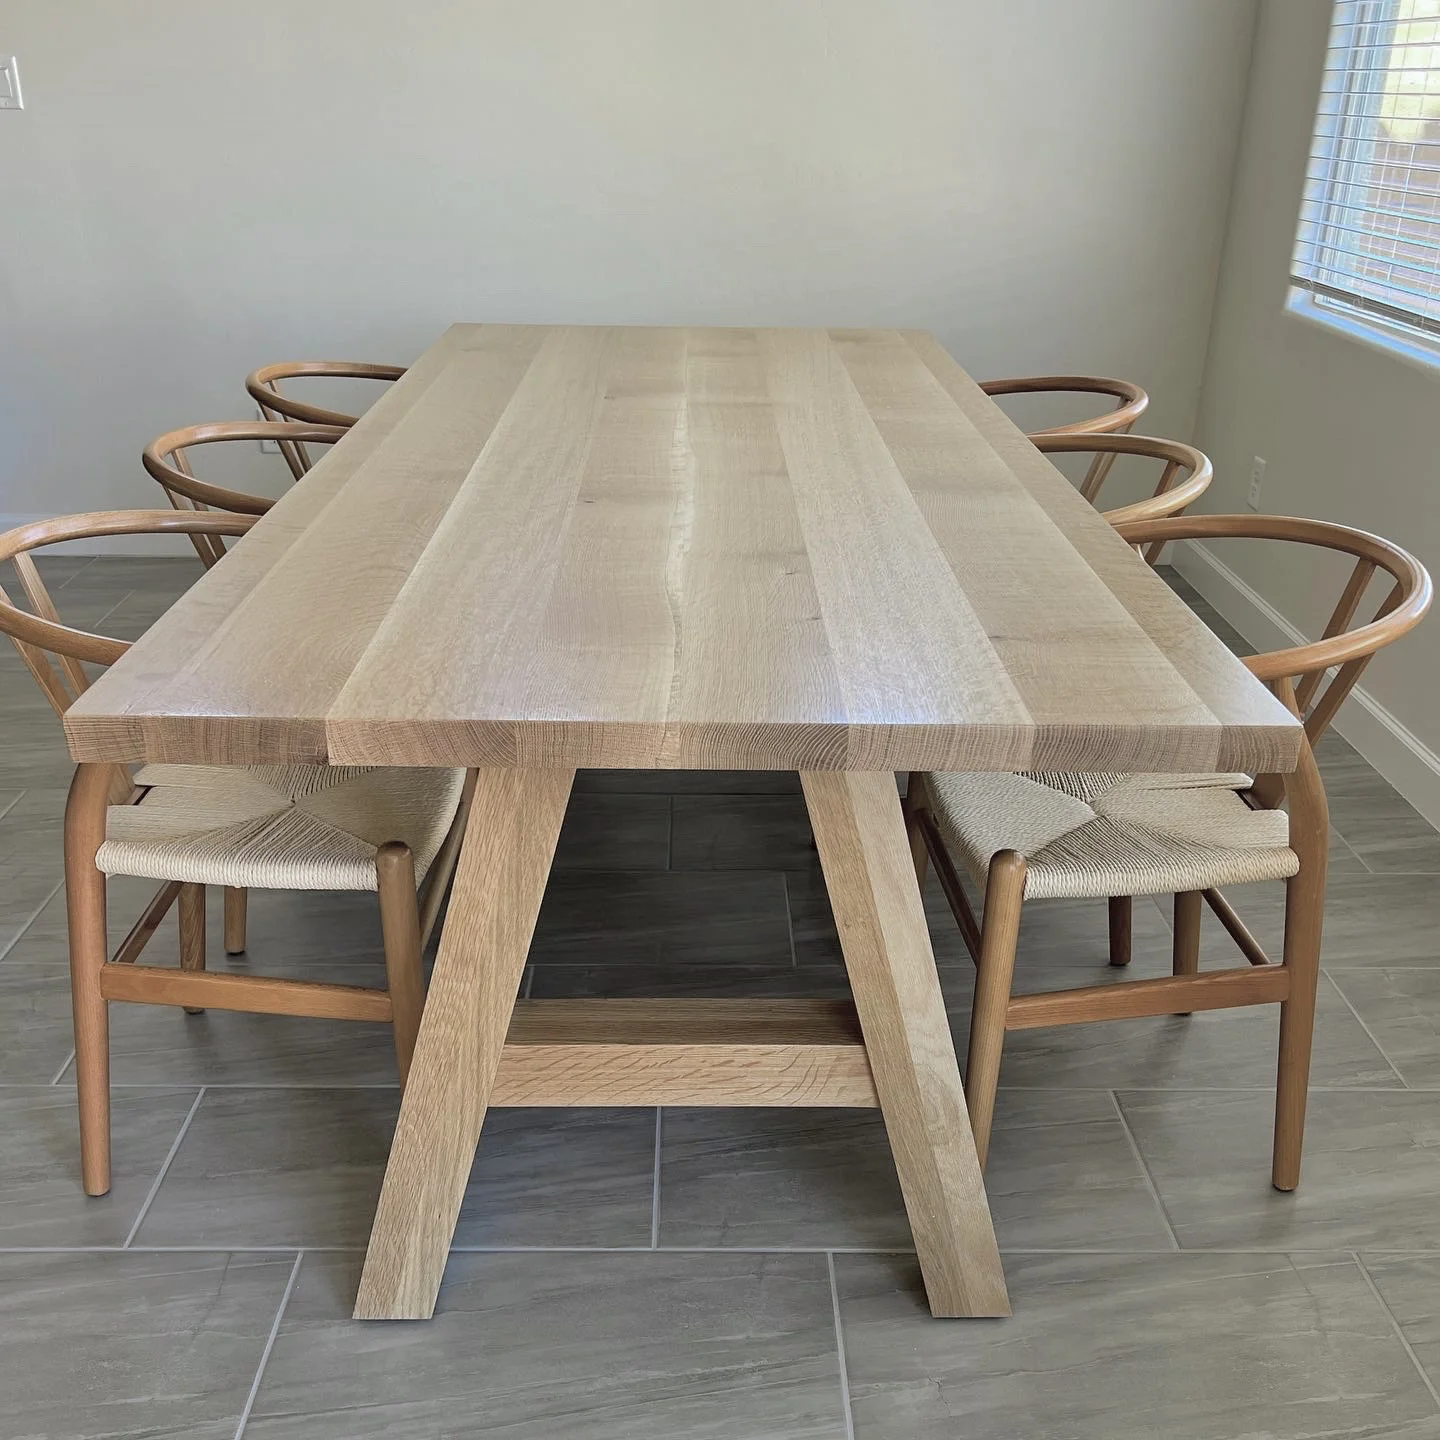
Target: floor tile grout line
<point x="1383" y="965"/>
<point x="1165" y="915"/>
<point x="1364" y="864"/>
<point x="31" y="919"/>
<point x="79" y="572"/>
<point x="164" y="1168"/>
<point x="655" y="1188"/>
<point x="846" y="1411"/>
<point x="219" y="1248"/>
<point x="1397" y="1327"/>
<point x="270" y="1339"/>
<point x="1145" y="1171"/>
<point x="1227" y="1089"/>
<point x="1336" y="1252"/>
<point x="19" y="796"/>
<point x="1373" y="1038"/>
<point x="60" y="1073"/>
<point x="128" y="595"/>
<point x="306" y="1087"/>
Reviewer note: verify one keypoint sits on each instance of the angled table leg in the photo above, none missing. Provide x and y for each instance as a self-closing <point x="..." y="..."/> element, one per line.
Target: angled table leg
<point x="860" y="833"/>
<point x="515" y="818"/>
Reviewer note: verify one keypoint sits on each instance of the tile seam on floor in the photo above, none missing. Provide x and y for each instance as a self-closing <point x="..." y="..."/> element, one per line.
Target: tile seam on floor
<point x="1221" y="1089"/>
<point x="1397" y="1328"/>
<point x="1385" y="965"/>
<point x="128" y="595"/>
<point x="1145" y="1171"/>
<point x="219" y="1248"/>
<point x="80" y="571"/>
<point x="846" y="1412"/>
<point x="164" y="1168"/>
<point x="1335" y="830"/>
<point x="269" y="1346"/>
<point x="1401" y="874"/>
<point x="1374" y="1039"/>
<point x="19" y="796"/>
<point x="31" y="919"/>
<point x="355" y="1085"/>
<point x="655" y="1184"/>
<point x="289" y="1248"/>
<point x="60" y="1073"/>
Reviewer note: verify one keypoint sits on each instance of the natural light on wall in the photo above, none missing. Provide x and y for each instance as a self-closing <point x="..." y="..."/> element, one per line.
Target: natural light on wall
<point x="1368" y="247"/>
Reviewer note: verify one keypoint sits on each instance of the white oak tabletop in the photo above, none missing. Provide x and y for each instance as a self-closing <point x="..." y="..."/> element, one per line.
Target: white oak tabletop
<point x="551" y="547"/>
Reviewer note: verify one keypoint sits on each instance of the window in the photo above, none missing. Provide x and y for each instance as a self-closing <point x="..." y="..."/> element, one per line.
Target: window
<point x="1368" y="246"/>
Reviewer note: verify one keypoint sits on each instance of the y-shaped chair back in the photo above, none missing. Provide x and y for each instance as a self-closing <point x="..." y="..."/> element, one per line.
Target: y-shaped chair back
<point x="55" y="653"/>
<point x="264" y="389"/>
<point x="1185" y="478"/>
<point x="1130" y="404"/>
<point x="1298" y="673"/>
<point x="167" y="460"/>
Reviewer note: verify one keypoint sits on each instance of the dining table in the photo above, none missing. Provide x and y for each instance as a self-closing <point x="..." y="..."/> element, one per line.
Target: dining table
<point x="557" y="547"/>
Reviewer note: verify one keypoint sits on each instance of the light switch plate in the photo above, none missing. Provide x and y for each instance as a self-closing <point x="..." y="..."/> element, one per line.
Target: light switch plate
<point x="1257" y="478"/>
<point x="10" y="96"/>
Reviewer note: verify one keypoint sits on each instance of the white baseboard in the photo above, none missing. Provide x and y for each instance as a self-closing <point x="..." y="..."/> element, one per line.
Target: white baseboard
<point x="177" y="545"/>
<point x="1410" y="765"/>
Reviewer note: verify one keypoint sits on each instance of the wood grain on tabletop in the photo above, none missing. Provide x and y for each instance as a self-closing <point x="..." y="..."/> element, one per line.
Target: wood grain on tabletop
<point x="611" y="547"/>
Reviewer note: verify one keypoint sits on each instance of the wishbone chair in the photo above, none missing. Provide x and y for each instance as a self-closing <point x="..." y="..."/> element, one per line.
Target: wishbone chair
<point x="263" y="386"/>
<point x="1187" y="835"/>
<point x="309" y="827"/>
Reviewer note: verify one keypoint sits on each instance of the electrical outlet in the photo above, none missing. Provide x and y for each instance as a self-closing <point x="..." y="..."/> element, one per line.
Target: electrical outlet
<point x="267" y="447"/>
<point x="10" y="96"/>
<point x="1257" y="477"/>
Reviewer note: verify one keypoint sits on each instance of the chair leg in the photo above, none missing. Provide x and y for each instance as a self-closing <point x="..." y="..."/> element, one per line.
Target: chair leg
<point x="1297" y="1028"/>
<point x="85" y="910"/>
<point x="192" y="933"/>
<point x="1122" y="911"/>
<point x="400" y="921"/>
<point x="1000" y="932"/>
<point x="235" y="912"/>
<point x="1304" y="922"/>
<point x="1185" y="953"/>
<point x="916" y="836"/>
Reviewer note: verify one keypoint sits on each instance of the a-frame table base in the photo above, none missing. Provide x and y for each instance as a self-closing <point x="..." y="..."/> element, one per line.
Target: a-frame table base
<point x="479" y="1047"/>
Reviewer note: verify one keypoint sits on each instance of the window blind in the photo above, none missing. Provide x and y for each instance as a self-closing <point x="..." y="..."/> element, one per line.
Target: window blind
<point x="1369" y="233"/>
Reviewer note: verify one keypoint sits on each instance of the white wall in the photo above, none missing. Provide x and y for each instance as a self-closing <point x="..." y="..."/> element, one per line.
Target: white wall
<point x="1349" y="432"/>
<point x="195" y="189"/>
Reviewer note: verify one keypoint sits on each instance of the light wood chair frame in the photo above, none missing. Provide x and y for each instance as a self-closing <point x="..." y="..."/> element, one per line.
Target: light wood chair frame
<point x="1291" y="983"/>
<point x="1131" y="402"/>
<point x="56" y="655"/>
<point x="166" y="461"/>
<point x="1185" y="478"/>
<point x="263" y="387"/>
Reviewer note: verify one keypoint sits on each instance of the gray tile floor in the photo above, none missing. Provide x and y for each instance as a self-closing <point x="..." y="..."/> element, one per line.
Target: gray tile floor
<point x="717" y="1273"/>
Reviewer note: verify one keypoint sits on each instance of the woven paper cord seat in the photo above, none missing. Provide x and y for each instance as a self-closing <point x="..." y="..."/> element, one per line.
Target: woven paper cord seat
<point x="277" y="827"/>
<point x="1092" y="835"/>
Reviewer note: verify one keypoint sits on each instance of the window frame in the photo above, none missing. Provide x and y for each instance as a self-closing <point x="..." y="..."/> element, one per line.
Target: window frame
<point x="1382" y="325"/>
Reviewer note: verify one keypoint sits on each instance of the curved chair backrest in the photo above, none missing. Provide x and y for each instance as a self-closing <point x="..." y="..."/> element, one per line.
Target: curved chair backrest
<point x="1131" y="402"/>
<point x="55" y="653"/>
<point x="166" y="461"/>
<point x="1298" y="673"/>
<point x="263" y="386"/>
<point x="1185" y="478"/>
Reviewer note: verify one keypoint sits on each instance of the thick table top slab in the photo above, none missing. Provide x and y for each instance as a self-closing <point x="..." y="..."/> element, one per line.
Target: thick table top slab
<point x="771" y="549"/>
